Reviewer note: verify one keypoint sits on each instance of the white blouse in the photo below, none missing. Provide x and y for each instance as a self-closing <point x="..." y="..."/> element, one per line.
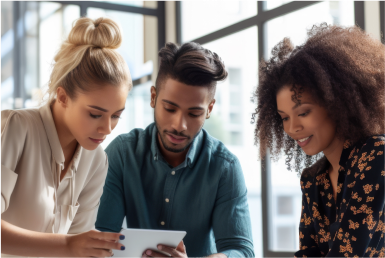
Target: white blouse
<point x="32" y="196"/>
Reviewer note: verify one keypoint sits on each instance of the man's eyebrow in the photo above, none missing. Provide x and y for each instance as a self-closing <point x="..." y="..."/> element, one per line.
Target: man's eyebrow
<point x="104" y="110"/>
<point x="174" y="104"/>
<point x="196" y="108"/>
<point x="169" y="102"/>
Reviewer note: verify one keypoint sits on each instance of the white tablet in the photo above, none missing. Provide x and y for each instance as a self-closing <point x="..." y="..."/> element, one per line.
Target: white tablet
<point x="137" y="241"/>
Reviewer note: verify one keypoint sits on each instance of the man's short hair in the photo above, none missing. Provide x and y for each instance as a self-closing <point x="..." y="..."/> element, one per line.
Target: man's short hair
<point x="190" y="64"/>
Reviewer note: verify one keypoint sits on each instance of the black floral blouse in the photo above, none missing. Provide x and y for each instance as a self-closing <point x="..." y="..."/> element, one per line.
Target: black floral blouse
<point x="353" y="226"/>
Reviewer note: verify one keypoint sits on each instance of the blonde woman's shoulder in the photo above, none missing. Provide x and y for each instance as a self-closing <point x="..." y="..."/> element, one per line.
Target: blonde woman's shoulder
<point x="23" y="117"/>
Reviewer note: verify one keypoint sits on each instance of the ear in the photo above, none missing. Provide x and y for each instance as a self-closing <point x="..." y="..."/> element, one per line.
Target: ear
<point x="211" y="106"/>
<point x="153" y="97"/>
<point x="62" y="97"/>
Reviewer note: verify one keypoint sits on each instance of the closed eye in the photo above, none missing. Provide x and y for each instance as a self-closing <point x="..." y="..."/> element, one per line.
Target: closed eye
<point x="304" y="114"/>
<point x="193" y="115"/>
<point x="170" y="110"/>
<point x="95" y="116"/>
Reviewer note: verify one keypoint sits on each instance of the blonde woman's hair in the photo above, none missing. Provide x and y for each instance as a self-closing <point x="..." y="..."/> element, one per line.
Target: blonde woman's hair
<point x="88" y="59"/>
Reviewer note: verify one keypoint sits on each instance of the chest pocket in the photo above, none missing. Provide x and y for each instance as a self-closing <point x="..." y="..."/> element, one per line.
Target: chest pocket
<point x="64" y="217"/>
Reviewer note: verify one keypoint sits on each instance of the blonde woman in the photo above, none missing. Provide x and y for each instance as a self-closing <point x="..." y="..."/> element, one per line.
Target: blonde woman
<point x="52" y="165"/>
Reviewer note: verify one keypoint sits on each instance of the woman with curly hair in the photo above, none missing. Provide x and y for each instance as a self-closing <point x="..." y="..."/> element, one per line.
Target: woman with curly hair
<point x="322" y="103"/>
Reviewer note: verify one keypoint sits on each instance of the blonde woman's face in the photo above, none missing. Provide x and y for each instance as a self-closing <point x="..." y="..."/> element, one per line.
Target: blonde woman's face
<point x="91" y="116"/>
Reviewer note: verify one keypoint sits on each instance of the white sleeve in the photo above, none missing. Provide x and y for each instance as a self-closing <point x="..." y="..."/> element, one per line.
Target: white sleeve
<point x="89" y="200"/>
<point x="13" y="135"/>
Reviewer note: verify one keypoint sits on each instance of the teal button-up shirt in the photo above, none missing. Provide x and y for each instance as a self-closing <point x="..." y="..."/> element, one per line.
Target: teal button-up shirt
<point x="205" y="196"/>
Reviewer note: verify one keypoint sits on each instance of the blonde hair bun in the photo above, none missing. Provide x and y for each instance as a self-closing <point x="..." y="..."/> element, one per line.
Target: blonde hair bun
<point x="102" y="33"/>
<point x="88" y="58"/>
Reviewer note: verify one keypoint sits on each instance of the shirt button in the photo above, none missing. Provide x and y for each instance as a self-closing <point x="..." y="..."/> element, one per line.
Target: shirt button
<point x="167" y="200"/>
<point x="173" y="173"/>
<point x="162" y="223"/>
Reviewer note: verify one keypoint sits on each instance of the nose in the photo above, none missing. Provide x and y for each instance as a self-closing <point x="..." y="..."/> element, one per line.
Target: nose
<point x="295" y="125"/>
<point x="105" y="127"/>
<point x="179" y="122"/>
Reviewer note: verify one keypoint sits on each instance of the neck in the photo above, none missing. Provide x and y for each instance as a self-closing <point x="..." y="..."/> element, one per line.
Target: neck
<point x="333" y="153"/>
<point x="67" y="140"/>
<point x="172" y="158"/>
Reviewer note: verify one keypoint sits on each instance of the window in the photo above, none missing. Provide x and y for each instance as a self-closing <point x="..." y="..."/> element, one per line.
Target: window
<point x="149" y="4"/>
<point x="285" y="205"/>
<point x="284" y="240"/>
<point x="7" y="37"/>
<point x="265" y="24"/>
<point x="28" y="49"/>
<point x="219" y="13"/>
<point x="284" y="182"/>
<point x="54" y="25"/>
<point x="231" y="117"/>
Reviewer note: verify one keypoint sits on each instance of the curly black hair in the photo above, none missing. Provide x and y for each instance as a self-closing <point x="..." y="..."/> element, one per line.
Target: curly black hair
<point x="342" y="68"/>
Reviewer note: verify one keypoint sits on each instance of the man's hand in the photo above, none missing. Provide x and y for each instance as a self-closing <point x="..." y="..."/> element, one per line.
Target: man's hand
<point x="179" y="251"/>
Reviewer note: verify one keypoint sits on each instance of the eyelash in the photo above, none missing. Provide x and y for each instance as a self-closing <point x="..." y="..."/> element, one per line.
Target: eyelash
<point x="172" y="111"/>
<point x="303" y="114"/>
<point x="97" y="116"/>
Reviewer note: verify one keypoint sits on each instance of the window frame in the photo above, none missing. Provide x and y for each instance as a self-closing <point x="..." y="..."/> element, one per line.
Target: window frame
<point x="263" y="16"/>
<point x="19" y="7"/>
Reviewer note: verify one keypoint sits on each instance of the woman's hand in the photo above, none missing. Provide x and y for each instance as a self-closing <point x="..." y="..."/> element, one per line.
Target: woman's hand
<point x="94" y="243"/>
<point x="179" y="251"/>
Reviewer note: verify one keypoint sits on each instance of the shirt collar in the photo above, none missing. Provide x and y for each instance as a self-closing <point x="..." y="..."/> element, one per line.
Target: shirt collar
<point x="191" y="156"/>
<point x="349" y="147"/>
<point x="53" y="138"/>
<point x="76" y="157"/>
<point x="50" y="129"/>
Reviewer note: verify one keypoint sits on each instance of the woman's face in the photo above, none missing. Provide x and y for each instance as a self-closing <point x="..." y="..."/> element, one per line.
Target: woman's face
<point x="91" y="116"/>
<point x="308" y="123"/>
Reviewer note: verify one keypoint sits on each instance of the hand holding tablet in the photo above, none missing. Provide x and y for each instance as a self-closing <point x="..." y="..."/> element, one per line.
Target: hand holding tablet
<point x="167" y="251"/>
<point x="137" y="241"/>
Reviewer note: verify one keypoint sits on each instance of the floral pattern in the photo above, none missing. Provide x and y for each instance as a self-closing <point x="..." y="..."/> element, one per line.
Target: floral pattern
<point x="353" y="225"/>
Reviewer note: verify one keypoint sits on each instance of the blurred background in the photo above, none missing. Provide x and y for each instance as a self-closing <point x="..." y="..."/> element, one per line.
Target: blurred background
<point x="240" y="32"/>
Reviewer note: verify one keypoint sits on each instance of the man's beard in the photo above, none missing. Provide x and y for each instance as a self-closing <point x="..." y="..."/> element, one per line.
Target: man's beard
<point x="167" y="147"/>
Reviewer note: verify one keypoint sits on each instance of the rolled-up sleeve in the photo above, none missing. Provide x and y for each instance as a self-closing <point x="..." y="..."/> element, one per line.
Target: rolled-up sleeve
<point x="89" y="198"/>
<point x="13" y="135"/>
<point x="231" y="218"/>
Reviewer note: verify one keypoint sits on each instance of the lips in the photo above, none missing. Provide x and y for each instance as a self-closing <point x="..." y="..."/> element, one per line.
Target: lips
<point x="175" y="139"/>
<point x="98" y="141"/>
<point x="302" y="142"/>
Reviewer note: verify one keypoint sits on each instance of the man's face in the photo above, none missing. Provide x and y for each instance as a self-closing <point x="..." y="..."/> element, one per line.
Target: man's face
<point x="180" y="112"/>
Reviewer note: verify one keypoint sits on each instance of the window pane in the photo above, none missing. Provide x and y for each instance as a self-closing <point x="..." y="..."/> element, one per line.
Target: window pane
<point x="231" y="116"/>
<point x="7" y="45"/>
<point x="139" y="50"/>
<point x="147" y="4"/>
<point x="220" y="14"/>
<point x="296" y="24"/>
<point x="286" y="189"/>
<point x="46" y="25"/>
<point x="276" y="3"/>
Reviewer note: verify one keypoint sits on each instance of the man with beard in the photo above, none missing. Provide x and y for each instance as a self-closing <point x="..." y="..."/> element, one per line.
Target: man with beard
<point x="173" y="175"/>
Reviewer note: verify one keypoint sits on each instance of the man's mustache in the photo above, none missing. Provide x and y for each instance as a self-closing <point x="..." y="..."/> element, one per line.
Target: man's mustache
<point x="175" y="132"/>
